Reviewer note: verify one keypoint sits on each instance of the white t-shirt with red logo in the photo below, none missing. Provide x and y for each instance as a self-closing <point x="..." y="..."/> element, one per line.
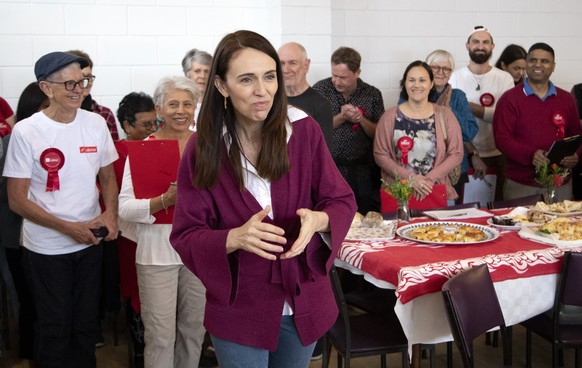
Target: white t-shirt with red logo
<point x="86" y="146"/>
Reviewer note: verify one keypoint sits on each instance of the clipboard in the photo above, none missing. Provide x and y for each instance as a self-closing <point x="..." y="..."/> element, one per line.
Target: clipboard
<point x="154" y="165"/>
<point x="563" y="148"/>
<point x="436" y="199"/>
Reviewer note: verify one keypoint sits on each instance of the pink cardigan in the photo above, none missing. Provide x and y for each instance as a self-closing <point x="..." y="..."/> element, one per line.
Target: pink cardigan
<point x="447" y="157"/>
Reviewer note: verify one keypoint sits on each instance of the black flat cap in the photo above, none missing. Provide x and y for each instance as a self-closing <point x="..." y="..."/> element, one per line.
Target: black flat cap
<point x="54" y="61"/>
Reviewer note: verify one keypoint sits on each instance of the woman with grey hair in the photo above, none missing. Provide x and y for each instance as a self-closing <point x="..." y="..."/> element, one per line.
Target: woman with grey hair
<point x="442" y="64"/>
<point x="172" y="298"/>
<point x="196" y="66"/>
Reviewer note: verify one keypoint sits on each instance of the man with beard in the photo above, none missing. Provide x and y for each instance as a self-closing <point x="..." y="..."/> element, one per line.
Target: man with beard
<point x="528" y="119"/>
<point x="483" y="84"/>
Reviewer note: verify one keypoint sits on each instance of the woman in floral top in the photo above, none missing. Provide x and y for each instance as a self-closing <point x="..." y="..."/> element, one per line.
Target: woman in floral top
<point x="410" y="141"/>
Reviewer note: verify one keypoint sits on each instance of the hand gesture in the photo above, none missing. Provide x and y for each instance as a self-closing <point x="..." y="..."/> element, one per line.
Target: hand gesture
<point x="256" y="236"/>
<point x="311" y="222"/>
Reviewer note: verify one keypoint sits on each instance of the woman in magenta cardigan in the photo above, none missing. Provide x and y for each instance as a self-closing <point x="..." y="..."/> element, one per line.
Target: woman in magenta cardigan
<point x="409" y="140"/>
<point x="261" y="212"/>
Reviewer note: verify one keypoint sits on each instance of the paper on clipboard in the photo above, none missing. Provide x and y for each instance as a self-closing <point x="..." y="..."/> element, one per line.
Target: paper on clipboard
<point x="154" y="165"/>
<point x="482" y="191"/>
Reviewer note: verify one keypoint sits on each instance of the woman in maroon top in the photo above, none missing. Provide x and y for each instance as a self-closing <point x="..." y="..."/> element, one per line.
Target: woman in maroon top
<point x="261" y="212"/>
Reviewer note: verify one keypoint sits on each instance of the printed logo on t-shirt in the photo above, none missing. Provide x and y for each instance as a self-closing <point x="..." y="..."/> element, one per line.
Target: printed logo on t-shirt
<point x="88" y="149"/>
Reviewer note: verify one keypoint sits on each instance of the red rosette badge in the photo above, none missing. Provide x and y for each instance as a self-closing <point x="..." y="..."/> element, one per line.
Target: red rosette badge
<point x="560" y="123"/>
<point x="405" y="144"/>
<point x="487" y="99"/>
<point x="52" y="160"/>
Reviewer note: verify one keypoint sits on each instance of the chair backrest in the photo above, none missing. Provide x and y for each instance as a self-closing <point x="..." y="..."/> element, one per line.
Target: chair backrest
<point x="472" y="309"/>
<point x="569" y="284"/>
<point x="521" y="201"/>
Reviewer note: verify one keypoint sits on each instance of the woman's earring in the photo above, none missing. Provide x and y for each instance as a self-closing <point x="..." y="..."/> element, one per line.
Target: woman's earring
<point x="225" y="103"/>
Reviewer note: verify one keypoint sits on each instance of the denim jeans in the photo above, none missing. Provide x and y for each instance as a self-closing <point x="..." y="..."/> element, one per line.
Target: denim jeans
<point x="291" y="353"/>
<point x="66" y="290"/>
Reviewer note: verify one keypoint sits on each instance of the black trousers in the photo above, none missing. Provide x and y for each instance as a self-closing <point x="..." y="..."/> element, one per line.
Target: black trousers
<point x="66" y="290"/>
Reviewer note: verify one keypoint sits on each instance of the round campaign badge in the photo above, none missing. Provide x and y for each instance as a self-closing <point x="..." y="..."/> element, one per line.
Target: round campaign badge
<point x="52" y="160"/>
<point x="405" y="144"/>
<point x="487" y="99"/>
<point x="560" y="123"/>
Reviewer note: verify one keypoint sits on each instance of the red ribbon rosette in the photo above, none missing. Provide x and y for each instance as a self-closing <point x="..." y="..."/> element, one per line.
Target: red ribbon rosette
<point x="52" y="160"/>
<point x="560" y="123"/>
<point x="487" y="99"/>
<point x="405" y="144"/>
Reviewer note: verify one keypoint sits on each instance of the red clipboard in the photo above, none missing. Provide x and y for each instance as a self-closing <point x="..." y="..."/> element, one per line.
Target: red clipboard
<point x="154" y="165"/>
<point x="436" y="199"/>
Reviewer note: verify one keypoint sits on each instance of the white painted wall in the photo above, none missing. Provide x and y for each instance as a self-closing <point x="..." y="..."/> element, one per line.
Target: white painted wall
<point x="134" y="43"/>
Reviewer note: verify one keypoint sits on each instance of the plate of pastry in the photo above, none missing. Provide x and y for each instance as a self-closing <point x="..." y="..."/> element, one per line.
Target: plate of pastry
<point x="447" y="232"/>
<point x="562" y="232"/>
<point x="560" y="209"/>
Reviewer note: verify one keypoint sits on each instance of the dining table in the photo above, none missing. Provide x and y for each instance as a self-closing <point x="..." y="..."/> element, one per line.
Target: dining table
<point x="524" y="273"/>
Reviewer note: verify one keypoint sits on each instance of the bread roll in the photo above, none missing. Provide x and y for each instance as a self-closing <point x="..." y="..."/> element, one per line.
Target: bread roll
<point x="357" y="221"/>
<point x="373" y="219"/>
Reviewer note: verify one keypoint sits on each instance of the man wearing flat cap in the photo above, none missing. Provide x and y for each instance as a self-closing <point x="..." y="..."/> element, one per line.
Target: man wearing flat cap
<point x="52" y="164"/>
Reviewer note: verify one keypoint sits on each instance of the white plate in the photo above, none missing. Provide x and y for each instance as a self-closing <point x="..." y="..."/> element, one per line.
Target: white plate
<point x="517" y="226"/>
<point x="530" y="234"/>
<point x="504" y="227"/>
<point x="384" y="232"/>
<point x="563" y="214"/>
<point x="490" y="234"/>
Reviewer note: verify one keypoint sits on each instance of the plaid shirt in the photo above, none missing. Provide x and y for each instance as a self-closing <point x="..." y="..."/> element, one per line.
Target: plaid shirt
<point x="109" y="118"/>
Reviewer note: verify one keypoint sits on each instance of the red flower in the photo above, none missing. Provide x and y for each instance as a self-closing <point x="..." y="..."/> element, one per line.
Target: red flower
<point x="558" y="181"/>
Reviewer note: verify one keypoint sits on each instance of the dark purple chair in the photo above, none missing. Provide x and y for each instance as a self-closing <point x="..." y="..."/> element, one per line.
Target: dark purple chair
<point x="562" y="325"/>
<point x="363" y="335"/>
<point x="473" y="309"/>
<point x="521" y="201"/>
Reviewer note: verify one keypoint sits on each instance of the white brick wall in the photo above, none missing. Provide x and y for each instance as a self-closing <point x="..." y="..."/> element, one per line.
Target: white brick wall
<point x="136" y="42"/>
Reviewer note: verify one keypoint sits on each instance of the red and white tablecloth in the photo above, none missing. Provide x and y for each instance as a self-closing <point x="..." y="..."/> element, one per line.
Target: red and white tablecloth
<point x="524" y="273"/>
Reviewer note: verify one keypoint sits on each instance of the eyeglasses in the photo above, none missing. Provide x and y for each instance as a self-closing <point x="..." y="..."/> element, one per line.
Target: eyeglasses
<point x="148" y="125"/>
<point x="444" y="69"/>
<point x="71" y="84"/>
<point x="91" y="78"/>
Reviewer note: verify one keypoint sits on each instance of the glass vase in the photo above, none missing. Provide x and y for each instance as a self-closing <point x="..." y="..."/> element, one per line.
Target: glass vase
<point x="550" y="195"/>
<point x="403" y="211"/>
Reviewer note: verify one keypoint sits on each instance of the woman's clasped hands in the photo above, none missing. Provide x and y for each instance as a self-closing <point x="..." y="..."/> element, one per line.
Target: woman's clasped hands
<point x="422" y="186"/>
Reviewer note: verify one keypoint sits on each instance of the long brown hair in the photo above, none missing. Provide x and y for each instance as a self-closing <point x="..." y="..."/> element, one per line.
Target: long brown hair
<point x="273" y="159"/>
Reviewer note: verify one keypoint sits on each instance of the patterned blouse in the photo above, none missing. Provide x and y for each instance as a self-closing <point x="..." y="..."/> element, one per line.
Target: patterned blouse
<point x="423" y="133"/>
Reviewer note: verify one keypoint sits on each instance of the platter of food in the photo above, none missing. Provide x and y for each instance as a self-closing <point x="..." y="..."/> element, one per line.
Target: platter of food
<point x="560" y="232"/>
<point x="371" y="227"/>
<point x="520" y="217"/>
<point x="560" y="209"/>
<point x="446" y="232"/>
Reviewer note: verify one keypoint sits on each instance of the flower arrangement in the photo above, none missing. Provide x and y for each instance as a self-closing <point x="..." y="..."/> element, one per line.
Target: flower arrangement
<point x="551" y="176"/>
<point x="400" y="189"/>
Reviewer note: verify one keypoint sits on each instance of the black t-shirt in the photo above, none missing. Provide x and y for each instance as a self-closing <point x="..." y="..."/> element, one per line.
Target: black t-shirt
<point x="318" y="107"/>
